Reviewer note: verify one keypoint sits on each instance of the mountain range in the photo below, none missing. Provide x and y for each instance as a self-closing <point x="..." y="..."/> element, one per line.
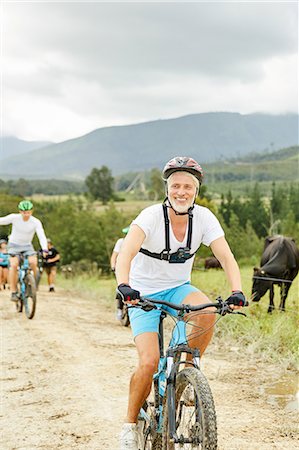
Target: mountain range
<point x="207" y="137"/>
<point x="12" y="146"/>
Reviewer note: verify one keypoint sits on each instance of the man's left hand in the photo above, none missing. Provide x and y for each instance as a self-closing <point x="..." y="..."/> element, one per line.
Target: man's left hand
<point x="236" y="300"/>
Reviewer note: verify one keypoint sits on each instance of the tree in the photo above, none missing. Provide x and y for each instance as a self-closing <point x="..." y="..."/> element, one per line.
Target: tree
<point x="258" y="214"/>
<point x="157" y="185"/>
<point x="294" y="201"/>
<point x="226" y="207"/>
<point x="100" y="184"/>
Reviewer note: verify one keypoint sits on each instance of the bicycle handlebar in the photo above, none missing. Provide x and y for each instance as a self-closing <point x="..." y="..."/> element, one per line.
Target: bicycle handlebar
<point x="147" y="304"/>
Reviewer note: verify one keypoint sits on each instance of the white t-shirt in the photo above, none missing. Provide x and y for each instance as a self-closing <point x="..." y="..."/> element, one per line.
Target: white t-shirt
<point x="23" y="231"/>
<point x="118" y="245"/>
<point x="149" y="275"/>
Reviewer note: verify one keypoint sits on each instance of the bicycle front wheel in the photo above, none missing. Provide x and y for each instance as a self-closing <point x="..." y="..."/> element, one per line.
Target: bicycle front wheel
<point x="195" y="416"/>
<point x="30" y="296"/>
<point x="19" y="303"/>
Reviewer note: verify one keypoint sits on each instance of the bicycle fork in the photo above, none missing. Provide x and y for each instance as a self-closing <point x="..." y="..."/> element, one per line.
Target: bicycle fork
<point x="171" y="372"/>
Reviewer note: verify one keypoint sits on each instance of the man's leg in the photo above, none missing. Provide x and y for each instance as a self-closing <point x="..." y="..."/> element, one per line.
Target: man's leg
<point x="51" y="278"/>
<point x="33" y="264"/>
<point x="13" y="276"/>
<point x="48" y="270"/>
<point x="203" y="323"/>
<point x="141" y="381"/>
<point x="140" y="386"/>
<point x="5" y="275"/>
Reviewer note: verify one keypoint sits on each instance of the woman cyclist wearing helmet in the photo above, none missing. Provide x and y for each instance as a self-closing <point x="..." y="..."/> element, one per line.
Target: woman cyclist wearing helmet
<point x="156" y="260"/>
<point x="24" y="226"/>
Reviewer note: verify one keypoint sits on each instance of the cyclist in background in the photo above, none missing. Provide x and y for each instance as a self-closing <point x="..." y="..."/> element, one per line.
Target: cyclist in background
<point x="156" y="260"/>
<point x="50" y="264"/>
<point x="24" y="226"/>
<point x="114" y="255"/>
<point x="4" y="259"/>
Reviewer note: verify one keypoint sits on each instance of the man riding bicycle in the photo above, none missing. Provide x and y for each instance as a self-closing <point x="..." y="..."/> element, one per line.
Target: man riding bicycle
<point x="24" y="226"/>
<point x="156" y="260"/>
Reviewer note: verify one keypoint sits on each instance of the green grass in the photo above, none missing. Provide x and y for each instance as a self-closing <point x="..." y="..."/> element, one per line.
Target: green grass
<point x="268" y="337"/>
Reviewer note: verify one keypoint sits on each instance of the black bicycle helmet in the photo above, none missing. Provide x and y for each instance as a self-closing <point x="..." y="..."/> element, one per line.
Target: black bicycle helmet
<point x="183" y="164"/>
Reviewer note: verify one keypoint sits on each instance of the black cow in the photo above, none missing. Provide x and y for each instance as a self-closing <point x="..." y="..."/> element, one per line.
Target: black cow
<point x="212" y="263"/>
<point x="280" y="260"/>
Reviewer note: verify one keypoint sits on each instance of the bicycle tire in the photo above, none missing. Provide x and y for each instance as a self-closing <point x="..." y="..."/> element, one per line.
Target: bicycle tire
<point x="148" y="438"/>
<point x="38" y="278"/>
<point x="125" y="320"/>
<point x="30" y="296"/>
<point x="19" y="303"/>
<point x="195" y="419"/>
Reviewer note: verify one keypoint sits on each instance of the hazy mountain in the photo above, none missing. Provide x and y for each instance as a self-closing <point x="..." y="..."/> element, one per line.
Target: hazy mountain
<point x="207" y="137"/>
<point x="11" y="146"/>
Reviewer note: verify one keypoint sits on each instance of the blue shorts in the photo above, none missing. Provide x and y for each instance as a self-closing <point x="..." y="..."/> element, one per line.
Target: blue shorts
<point x="148" y="321"/>
<point x="16" y="249"/>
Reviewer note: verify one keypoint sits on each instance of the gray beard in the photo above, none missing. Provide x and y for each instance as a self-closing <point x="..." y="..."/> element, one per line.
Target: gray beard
<point x="180" y="208"/>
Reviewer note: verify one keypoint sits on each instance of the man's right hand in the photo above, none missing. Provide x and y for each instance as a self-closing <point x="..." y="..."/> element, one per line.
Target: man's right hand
<point x="127" y="293"/>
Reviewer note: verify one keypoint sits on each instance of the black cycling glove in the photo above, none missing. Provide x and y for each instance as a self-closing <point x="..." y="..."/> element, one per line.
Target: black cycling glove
<point x="237" y="298"/>
<point x="127" y="293"/>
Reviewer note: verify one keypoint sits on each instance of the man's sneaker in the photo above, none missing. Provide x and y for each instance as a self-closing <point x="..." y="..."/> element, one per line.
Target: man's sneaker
<point x="51" y="289"/>
<point x="14" y="297"/>
<point x="128" y="437"/>
<point x="119" y="314"/>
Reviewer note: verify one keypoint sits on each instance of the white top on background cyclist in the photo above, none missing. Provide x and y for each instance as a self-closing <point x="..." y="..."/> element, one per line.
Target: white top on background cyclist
<point x="23" y="231"/>
<point x="24" y="226"/>
<point x="118" y="244"/>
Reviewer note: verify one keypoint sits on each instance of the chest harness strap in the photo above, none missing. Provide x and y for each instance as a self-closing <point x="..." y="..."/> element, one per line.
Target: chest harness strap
<point x="183" y="253"/>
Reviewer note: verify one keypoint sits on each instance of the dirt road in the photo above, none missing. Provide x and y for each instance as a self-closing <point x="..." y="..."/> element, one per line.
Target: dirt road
<point x="65" y="374"/>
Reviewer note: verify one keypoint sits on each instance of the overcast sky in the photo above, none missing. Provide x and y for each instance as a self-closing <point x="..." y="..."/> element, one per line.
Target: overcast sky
<point x="72" y="67"/>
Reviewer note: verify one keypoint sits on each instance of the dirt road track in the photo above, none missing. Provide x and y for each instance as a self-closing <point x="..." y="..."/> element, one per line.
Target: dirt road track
<point x="65" y="373"/>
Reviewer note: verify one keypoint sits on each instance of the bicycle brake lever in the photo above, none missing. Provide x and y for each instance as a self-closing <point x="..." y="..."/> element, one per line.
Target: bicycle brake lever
<point x="146" y="305"/>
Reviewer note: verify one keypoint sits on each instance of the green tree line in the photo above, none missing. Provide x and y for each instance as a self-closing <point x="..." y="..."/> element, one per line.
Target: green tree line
<point x="24" y="187"/>
<point x="82" y="233"/>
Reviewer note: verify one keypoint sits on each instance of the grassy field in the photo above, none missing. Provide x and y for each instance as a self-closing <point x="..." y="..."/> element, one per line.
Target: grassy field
<point x="261" y="335"/>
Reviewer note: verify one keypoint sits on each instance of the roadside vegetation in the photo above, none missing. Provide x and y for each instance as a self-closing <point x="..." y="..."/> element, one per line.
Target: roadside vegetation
<point x="85" y="222"/>
<point x="259" y="336"/>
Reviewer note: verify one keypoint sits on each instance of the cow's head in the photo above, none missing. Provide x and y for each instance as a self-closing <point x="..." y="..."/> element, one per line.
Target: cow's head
<point x="260" y="284"/>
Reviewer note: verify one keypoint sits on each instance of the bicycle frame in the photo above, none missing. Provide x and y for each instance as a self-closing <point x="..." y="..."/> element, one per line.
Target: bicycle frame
<point x="27" y="287"/>
<point x="165" y="377"/>
<point x="22" y="272"/>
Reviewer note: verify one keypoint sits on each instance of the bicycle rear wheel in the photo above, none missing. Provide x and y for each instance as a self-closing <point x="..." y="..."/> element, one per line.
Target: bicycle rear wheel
<point x="125" y="320"/>
<point x="38" y="277"/>
<point x="30" y="296"/>
<point x="194" y="411"/>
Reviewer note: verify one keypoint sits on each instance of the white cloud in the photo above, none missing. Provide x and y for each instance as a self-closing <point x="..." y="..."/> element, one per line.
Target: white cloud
<point x="71" y="67"/>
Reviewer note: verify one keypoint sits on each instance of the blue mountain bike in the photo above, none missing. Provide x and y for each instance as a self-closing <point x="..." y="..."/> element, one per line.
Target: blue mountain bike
<point x="182" y="413"/>
<point x="26" y="288"/>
